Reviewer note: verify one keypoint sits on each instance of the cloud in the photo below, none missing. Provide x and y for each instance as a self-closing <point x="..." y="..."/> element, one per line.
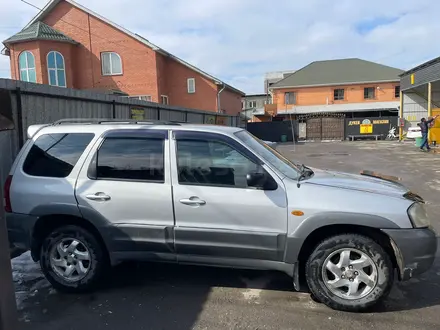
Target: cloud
<point x="239" y="41"/>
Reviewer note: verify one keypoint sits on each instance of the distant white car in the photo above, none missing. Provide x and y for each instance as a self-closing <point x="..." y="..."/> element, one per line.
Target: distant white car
<point x="414" y="132"/>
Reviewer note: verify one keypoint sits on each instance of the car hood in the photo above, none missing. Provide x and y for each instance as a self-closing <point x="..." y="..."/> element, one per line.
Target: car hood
<point x="357" y="182"/>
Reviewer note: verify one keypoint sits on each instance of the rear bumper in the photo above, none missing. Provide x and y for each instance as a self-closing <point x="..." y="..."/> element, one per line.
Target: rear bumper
<point x="415" y="250"/>
<point x="20" y="228"/>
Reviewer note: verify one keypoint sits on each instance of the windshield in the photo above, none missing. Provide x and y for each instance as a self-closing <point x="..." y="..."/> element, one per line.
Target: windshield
<point x="270" y="155"/>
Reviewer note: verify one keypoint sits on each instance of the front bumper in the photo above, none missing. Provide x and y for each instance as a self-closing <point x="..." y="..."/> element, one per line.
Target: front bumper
<point x="415" y="250"/>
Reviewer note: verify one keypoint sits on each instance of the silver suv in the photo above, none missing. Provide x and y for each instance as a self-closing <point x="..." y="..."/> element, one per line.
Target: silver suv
<point x="84" y="196"/>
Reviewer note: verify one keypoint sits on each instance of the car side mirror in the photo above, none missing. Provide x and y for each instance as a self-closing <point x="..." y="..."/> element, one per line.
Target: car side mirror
<point x="261" y="180"/>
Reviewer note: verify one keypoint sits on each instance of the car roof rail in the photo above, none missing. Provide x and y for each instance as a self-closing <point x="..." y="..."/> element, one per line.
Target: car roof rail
<point x="94" y="121"/>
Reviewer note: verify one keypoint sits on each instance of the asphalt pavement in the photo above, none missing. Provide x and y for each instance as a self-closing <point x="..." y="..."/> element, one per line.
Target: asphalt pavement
<point x="163" y="296"/>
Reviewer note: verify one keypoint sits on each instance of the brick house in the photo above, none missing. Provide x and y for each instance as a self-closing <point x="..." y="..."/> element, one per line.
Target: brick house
<point x="323" y="93"/>
<point x="351" y="86"/>
<point x="68" y="45"/>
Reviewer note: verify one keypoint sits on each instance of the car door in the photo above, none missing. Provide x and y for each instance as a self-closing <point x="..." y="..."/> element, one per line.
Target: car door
<point x="125" y="185"/>
<point x="217" y="213"/>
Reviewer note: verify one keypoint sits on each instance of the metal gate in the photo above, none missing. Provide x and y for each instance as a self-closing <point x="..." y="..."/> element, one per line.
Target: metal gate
<point x="332" y="128"/>
<point x="325" y="128"/>
<point x="314" y="128"/>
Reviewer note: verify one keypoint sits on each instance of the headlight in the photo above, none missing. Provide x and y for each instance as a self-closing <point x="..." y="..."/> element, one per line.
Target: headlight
<point x="418" y="215"/>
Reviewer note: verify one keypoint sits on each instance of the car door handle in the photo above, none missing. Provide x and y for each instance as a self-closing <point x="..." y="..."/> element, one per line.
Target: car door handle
<point x="194" y="201"/>
<point x="99" y="196"/>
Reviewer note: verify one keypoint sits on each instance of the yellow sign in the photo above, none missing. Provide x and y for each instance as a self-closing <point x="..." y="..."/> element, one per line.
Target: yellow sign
<point x="366" y="128"/>
<point x="434" y="132"/>
<point x="210" y="120"/>
<point x="222" y="120"/>
<point x="137" y="113"/>
<point x="412" y="79"/>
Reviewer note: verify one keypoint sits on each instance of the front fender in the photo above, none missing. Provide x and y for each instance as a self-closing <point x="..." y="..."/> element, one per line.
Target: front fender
<point x="295" y="239"/>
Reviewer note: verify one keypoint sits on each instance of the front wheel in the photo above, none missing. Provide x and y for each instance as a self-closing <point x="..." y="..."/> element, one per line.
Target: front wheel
<point x="349" y="272"/>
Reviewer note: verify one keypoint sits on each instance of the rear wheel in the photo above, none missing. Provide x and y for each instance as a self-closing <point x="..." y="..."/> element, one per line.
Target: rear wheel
<point x="349" y="272"/>
<point x="72" y="259"/>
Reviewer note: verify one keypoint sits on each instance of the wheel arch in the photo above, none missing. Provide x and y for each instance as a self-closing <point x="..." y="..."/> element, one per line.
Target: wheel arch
<point x="47" y="223"/>
<point x="321" y="233"/>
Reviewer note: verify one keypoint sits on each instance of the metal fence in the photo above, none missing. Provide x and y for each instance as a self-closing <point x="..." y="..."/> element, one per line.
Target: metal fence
<point x="23" y="104"/>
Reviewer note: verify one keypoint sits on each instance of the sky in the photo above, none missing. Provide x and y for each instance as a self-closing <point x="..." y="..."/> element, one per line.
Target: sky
<point x="239" y="41"/>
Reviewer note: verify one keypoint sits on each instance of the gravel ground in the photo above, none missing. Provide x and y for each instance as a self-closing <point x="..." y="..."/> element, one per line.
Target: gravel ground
<point x="161" y="296"/>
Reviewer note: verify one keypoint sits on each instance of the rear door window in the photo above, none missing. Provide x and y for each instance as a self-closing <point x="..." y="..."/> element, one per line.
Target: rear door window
<point x="55" y="155"/>
<point x="131" y="159"/>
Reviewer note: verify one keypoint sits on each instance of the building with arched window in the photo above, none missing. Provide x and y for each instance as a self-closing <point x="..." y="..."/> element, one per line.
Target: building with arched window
<point x="26" y="63"/>
<point x="68" y="45"/>
<point x="42" y="54"/>
<point x="56" y="69"/>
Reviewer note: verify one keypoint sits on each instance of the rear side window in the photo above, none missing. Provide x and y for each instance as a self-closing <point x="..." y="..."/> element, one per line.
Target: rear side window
<point x="55" y="155"/>
<point x="131" y="159"/>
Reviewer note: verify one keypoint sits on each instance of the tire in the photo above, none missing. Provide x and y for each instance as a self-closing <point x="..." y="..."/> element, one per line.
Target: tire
<point x="374" y="281"/>
<point x="87" y="273"/>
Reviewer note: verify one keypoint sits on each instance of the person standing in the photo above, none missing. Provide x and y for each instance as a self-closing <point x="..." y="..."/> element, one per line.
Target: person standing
<point x="424" y="127"/>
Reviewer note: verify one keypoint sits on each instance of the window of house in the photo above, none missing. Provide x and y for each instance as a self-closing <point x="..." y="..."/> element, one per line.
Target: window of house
<point x="55" y="155"/>
<point x="338" y="94"/>
<point x="56" y="69"/>
<point x="111" y="64"/>
<point x="191" y="85"/>
<point x="290" y="98"/>
<point x="164" y="99"/>
<point x="212" y="163"/>
<point x="252" y="104"/>
<point x="243" y="105"/>
<point x="396" y="91"/>
<point x="141" y="97"/>
<point x="139" y="159"/>
<point x="268" y="101"/>
<point x="369" y="93"/>
<point x="26" y="63"/>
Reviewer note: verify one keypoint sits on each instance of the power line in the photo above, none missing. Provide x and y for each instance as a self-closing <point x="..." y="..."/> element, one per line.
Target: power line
<point x="31" y="4"/>
<point x="93" y="34"/>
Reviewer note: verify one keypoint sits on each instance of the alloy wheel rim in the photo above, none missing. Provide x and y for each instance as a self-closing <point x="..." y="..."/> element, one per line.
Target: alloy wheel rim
<point x="349" y="273"/>
<point x="70" y="259"/>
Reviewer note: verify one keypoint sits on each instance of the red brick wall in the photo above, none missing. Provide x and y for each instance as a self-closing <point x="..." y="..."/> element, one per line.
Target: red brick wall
<point x="16" y="50"/>
<point x="95" y="36"/>
<point x="230" y="102"/>
<point x="205" y="97"/>
<point x="319" y="95"/>
<point x="161" y="67"/>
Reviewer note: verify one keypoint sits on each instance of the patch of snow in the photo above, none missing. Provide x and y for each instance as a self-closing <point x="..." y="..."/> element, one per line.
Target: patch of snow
<point x="27" y="277"/>
<point x="252" y="294"/>
<point x="434" y="184"/>
<point x="254" y="288"/>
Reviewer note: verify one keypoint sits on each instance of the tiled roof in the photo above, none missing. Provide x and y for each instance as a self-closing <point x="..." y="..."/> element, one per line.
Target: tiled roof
<point x="339" y="72"/>
<point x="38" y="31"/>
